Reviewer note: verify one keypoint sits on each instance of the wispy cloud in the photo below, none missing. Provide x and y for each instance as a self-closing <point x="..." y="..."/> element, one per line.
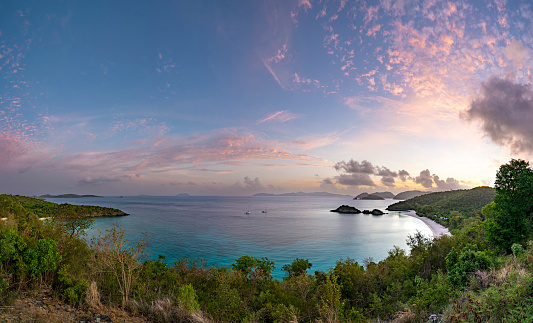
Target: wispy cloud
<point x="225" y="145"/>
<point x="274" y="75"/>
<point x="281" y="116"/>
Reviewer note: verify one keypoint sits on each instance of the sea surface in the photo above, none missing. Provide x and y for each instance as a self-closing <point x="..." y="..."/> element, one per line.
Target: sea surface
<point x="217" y="231"/>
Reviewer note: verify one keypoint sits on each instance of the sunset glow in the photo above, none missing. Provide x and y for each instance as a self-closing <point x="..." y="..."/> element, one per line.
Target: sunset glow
<point x="237" y="98"/>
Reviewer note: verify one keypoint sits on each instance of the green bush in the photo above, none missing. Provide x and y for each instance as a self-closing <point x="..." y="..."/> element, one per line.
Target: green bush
<point x="464" y="263"/>
<point x="187" y="298"/>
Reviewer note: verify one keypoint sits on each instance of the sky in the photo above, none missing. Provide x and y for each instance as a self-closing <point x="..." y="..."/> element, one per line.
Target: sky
<point x="241" y="97"/>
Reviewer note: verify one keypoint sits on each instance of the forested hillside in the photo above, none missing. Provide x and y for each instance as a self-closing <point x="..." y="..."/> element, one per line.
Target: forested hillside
<point x="454" y="209"/>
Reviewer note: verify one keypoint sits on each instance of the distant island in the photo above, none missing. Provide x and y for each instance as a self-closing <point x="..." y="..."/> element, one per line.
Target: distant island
<point x="372" y="197"/>
<point x="182" y="194"/>
<point x="410" y="194"/>
<point x="383" y="195"/>
<point x="302" y="194"/>
<point x="66" y="196"/>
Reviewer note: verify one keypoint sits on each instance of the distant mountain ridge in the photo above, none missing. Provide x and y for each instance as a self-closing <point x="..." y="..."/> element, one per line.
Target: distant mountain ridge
<point x="301" y="194"/>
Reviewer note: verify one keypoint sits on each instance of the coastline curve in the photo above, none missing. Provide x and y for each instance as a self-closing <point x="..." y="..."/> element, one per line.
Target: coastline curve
<point x="437" y="229"/>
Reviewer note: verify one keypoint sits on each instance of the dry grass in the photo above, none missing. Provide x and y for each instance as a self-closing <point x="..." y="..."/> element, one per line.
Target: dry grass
<point x="406" y="316"/>
<point x="92" y="298"/>
<point x="162" y="310"/>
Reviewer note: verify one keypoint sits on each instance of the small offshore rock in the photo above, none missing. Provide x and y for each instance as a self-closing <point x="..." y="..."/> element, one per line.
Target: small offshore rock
<point x="346" y="209"/>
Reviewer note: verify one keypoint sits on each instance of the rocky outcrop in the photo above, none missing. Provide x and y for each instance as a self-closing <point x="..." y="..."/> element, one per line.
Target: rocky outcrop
<point x="373" y="212"/>
<point x="346" y="209"/>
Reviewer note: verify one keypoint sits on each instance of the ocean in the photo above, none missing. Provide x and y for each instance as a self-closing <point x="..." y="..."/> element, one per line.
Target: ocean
<point x="217" y="231"/>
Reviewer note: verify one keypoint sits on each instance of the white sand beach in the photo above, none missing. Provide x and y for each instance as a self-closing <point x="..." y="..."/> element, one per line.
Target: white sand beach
<point x="437" y="229"/>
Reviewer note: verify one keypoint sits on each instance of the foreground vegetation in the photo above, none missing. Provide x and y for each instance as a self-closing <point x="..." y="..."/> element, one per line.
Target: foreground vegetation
<point x="484" y="273"/>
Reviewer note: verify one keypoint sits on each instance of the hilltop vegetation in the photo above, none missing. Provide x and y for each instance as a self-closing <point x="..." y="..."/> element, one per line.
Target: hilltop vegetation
<point x="450" y="208"/>
<point x="484" y="273"/>
<point x="30" y="207"/>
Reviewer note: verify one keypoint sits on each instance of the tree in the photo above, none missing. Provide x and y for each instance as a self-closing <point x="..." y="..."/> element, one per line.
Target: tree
<point x="297" y="267"/>
<point x="115" y="256"/>
<point x="254" y="267"/>
<point x="509" y="217"/>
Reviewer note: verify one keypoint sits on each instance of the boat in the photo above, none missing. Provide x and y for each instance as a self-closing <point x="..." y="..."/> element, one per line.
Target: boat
<point x="265" y="210"/>
<point x="247" y="212"/>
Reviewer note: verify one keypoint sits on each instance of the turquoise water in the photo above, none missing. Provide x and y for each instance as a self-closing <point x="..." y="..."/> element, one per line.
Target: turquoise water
<point x="217" y="230"/>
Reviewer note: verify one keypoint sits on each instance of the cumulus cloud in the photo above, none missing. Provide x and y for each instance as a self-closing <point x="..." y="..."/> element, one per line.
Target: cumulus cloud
<point x="425" y="179"/>
<point x="449" y="184"/>
<point x="356" y="173"/>
<point x="384" y="171"/>
<point x="505" y="111"/>
<point x="388" y="181"/>
<point x="327" y="181"/>
<point x="353" y="166"/>
<point x="403" y="174"/>
<point x="252" y="184"/>
<point x="355" y="179"/>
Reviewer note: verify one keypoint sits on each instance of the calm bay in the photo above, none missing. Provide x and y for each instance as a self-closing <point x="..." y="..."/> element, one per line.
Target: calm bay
<point x="216" y="229"/>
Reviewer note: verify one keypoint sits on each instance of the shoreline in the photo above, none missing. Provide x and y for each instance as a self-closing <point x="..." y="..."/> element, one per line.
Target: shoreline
<point x="437" y="229"/>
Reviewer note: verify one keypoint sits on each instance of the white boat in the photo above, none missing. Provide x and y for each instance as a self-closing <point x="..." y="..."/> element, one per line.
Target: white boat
<point x="247" y="212"/>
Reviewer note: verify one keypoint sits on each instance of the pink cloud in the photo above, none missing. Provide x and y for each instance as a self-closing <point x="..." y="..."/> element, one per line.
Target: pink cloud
<point x="225" y="145"/>
<point x="12" y="146"/>
<point x="305" y="4"/>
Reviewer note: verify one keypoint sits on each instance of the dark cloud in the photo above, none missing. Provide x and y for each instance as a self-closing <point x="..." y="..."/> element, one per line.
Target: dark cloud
<point x="353" y="166"/>
<point x="355" y="179"/>
<point x="384" y="171"/>
<point x="403" y="175"/>
<point x="252" y="184"/>
<point x="359" y="174"/>
<point x="327" y="181"/>
<point x="449" y="184"/>
<point x="387" y="181"/>
<point x="425" y="179"/>
<point x="505" y="111"/>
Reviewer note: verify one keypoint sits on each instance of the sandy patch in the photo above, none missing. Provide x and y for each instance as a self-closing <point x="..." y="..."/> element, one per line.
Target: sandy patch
<point x="437" y="229"/>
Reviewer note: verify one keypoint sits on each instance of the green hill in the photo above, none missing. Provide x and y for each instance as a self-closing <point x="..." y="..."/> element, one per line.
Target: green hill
<point x="450" y="208"/>
<point x="27" y="206"/>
